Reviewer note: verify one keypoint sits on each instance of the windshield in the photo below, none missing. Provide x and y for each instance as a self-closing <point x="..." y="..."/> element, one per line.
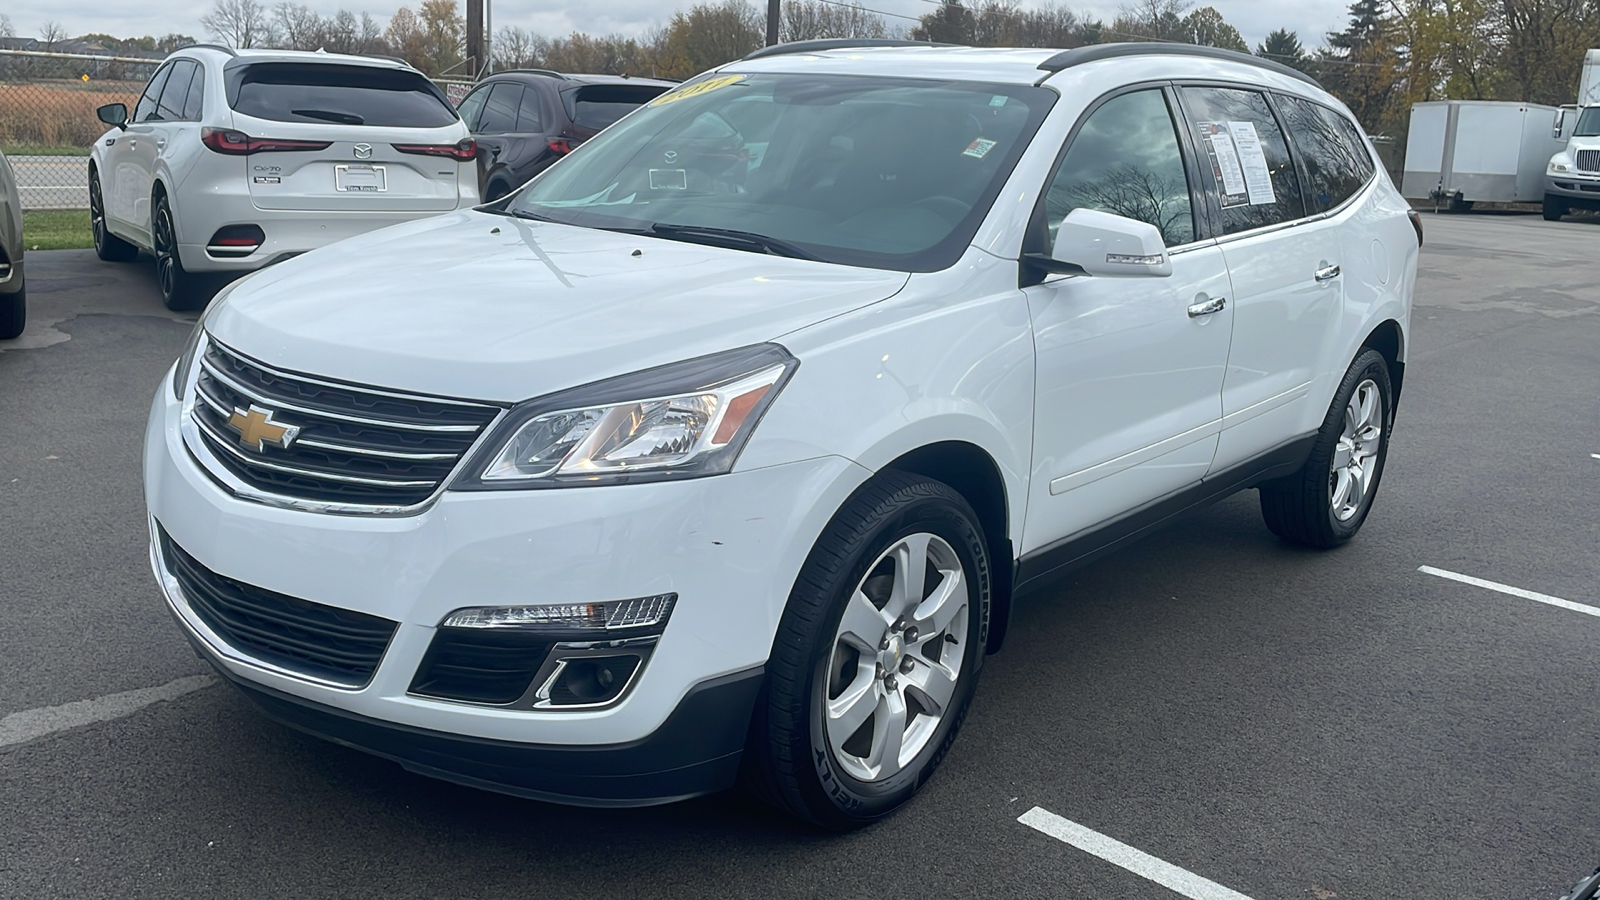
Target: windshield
<point x="1588" y="123"/>
<point x="878" y="172"/>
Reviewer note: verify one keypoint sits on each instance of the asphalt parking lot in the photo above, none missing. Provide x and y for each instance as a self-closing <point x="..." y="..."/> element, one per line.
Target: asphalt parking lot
<point x="1280" y="723"/>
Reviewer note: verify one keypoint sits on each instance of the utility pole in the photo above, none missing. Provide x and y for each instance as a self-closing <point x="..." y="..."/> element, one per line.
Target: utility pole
<point x="474" y="38"/>
<point x="772" y="22"/>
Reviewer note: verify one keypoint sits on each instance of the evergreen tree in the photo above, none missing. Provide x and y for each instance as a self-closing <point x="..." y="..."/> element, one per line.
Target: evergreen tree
<point x="1284" y="46"/>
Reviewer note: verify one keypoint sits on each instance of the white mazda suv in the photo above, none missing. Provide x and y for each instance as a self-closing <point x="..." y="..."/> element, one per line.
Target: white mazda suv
<point x="237" y="159"/>
<point x="714" y="454"/>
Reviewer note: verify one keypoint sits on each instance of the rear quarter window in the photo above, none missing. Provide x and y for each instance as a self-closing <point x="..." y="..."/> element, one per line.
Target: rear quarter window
<point x="600" y="105"/>
<point x="338" y="95"/>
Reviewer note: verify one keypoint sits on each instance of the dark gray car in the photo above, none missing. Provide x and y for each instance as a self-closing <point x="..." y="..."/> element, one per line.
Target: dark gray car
<point x="13" y="287"/>
<point x="526" y="119"/>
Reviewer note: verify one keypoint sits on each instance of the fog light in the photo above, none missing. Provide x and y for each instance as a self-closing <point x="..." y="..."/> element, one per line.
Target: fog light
<point x="639" y="613"/>
<point x="590" y="681"/>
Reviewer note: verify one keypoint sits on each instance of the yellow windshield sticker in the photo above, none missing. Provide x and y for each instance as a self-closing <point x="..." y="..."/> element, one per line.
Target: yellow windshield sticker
<point x="697" y="88"/>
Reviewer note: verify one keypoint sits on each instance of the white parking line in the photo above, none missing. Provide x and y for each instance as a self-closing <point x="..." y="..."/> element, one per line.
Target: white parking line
<point x="1134" y="860"/>
<point x="32" y="724"/>
<point x="1513" y="591"/>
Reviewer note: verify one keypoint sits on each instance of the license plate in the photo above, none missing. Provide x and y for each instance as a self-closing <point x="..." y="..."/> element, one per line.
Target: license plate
<point x="360" y="179"/>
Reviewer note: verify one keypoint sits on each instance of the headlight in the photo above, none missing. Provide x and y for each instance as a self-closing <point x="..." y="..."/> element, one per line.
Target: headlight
<point x="1558" y="167"/>
<point x="684" y="420"/>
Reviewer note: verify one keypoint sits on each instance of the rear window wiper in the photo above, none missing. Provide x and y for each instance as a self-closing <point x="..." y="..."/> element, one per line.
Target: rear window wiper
<point x="329" y="115"/>
<point x="729" y="237"/>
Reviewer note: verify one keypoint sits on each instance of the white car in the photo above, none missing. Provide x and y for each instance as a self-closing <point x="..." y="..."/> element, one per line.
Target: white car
<point x="237" y="159"/>
<point x="686" y="460"/>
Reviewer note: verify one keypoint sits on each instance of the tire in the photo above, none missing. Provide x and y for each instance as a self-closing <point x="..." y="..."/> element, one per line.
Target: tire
<point x="495" y="191"/>
<point x="1554" y="208"/>
<point x="107" y="246"/>
<point x="13" y="314"/>
<point x="1314" y="507"/>
<point x="827" y="775"/>
<point x="181" y="290"/>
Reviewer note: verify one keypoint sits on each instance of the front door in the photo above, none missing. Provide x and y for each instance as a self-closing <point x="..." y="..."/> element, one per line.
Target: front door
<point x="1128" y="403"/>
<point x="122" y="180"/>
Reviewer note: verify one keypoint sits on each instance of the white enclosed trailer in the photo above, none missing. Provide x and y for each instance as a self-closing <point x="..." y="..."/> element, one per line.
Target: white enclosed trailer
<point x="1589" y="84"/>
<point x="1465" y="151"/>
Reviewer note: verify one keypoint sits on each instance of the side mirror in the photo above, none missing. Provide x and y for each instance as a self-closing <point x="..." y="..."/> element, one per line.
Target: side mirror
<point x="1560" y="123"/>
<point x="113" y="114"/>
<point x="1109" y="246"/>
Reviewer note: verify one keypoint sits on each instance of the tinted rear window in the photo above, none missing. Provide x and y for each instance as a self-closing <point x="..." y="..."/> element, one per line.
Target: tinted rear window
<point x="338" y="95"/>
<point x="599" y="105"/>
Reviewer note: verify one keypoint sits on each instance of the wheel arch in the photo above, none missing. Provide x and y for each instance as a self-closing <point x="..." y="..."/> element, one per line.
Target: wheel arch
<point x="1389" y="340"/>
<point x="974" y="474"/>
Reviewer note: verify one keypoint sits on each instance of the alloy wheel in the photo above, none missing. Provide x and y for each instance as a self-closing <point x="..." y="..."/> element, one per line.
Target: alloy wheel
<point x="97" y="214"/>
<point x="1355" y="455"/>
<point x="897" y="656"/>
<point x="166" y="252"/>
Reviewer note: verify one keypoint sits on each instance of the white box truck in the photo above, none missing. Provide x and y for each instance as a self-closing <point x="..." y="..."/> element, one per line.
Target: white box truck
<point x="1459" y="152"/>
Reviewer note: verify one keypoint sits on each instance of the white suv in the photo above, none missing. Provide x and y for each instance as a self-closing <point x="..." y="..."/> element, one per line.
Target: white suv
<point x="237" y="159"/>
<point x="696" y="457"/>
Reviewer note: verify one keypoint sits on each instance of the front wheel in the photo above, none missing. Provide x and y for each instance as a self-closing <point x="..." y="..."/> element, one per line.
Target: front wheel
<point x="1554" y="208"/>
<point x="1325" y="503"/>
<point x="876" y="657"/>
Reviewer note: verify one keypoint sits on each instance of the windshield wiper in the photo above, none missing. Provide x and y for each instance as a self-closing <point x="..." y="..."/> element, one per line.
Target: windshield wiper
<point x="729" y="237"/>
<point x="329" y="115"/>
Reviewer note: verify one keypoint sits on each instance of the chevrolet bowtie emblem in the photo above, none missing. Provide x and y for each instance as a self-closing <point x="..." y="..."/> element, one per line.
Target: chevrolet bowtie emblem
<point x="256" y="428"/>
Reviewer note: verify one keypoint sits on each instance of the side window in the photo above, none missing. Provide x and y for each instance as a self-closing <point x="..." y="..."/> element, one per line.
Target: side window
<point x="1238" y="138"/>
<point x="471" y="105"/>
<point x="500" y="110"/>
<point x="176" y="92"/>
<point x="197" y="94"/>
<point x="1335" y="156"/>
<point x="528" y="119"/>
<point x="147" y="102"/>
<point x="1126" y="160"/>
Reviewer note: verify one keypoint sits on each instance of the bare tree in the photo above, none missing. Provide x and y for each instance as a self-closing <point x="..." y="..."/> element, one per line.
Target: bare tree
<point x="51" y="34"/>
<point x="339" y="33"/>
<point x="369" y="37"/>
<point x="807" y="20"/>
<point x="297" y="26"/>
<point x="517" y="48"/>
<point x="239" y="23"/>
<point x="6" y="28"/>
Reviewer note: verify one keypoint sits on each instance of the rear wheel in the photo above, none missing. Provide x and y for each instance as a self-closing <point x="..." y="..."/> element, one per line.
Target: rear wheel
<point x="1554" y="208"/>
<point x="495" y="191"/>
<point x="1325" y="503"/>
<point x="876" y="658"/>
<point x="13" y="314"/>
<point x="180" y="290"/>
<point x="107" y="246"/>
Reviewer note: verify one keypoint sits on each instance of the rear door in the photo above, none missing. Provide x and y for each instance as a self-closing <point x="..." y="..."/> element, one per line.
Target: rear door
<point x="1284" y="268"/>
<point x="125" y="185"/>
<point x="497" y="130"/>
<point x="348" y="137"/>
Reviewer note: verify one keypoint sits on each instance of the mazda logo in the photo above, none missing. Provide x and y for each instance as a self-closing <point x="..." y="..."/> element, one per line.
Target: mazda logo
<point x="363" y="151"/>
<point x="671" y="156"/>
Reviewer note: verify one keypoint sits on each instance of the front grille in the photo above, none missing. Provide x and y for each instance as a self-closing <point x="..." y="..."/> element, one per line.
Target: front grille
<point x="1589" y="160"/>
<point x="325" y="642"/>
<point x="480" y="665"/>
<point x="355" y="445"/>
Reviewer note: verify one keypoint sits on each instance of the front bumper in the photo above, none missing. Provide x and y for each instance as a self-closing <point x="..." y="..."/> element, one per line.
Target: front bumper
<point x="1577" y="189"/>
<point x="729" y="547"/>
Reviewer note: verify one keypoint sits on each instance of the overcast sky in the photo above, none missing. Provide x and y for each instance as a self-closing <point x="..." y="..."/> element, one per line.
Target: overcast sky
<point x="1253" y="18"/>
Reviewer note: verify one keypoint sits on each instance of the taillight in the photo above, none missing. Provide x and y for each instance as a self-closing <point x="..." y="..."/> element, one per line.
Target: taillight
<point x="1416" y="222"/>
<point x="560" y="145"/>
<point x="465" y="151"/>
<point x="237" y="143"/>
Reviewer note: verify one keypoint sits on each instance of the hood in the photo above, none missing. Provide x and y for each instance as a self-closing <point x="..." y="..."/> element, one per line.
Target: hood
<point x="486" y="307"/>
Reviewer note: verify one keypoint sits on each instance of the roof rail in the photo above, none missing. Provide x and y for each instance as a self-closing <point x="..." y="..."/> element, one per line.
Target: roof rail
<point x="1096" y="52"/>
<point x="837" y="44"/>
<point x="225" y="49"/>
<point x="550" y="72"/>
<point x="385" y="56"/>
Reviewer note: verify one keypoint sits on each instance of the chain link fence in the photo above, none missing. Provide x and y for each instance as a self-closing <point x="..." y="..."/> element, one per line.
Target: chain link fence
<point x="47" y="118"/>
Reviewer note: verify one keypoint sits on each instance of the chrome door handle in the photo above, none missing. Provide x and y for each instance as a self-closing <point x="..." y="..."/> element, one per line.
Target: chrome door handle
<point x="161" y="145"/>
<point x="1327" y="273"/>
<point x="1207" y="307"/>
